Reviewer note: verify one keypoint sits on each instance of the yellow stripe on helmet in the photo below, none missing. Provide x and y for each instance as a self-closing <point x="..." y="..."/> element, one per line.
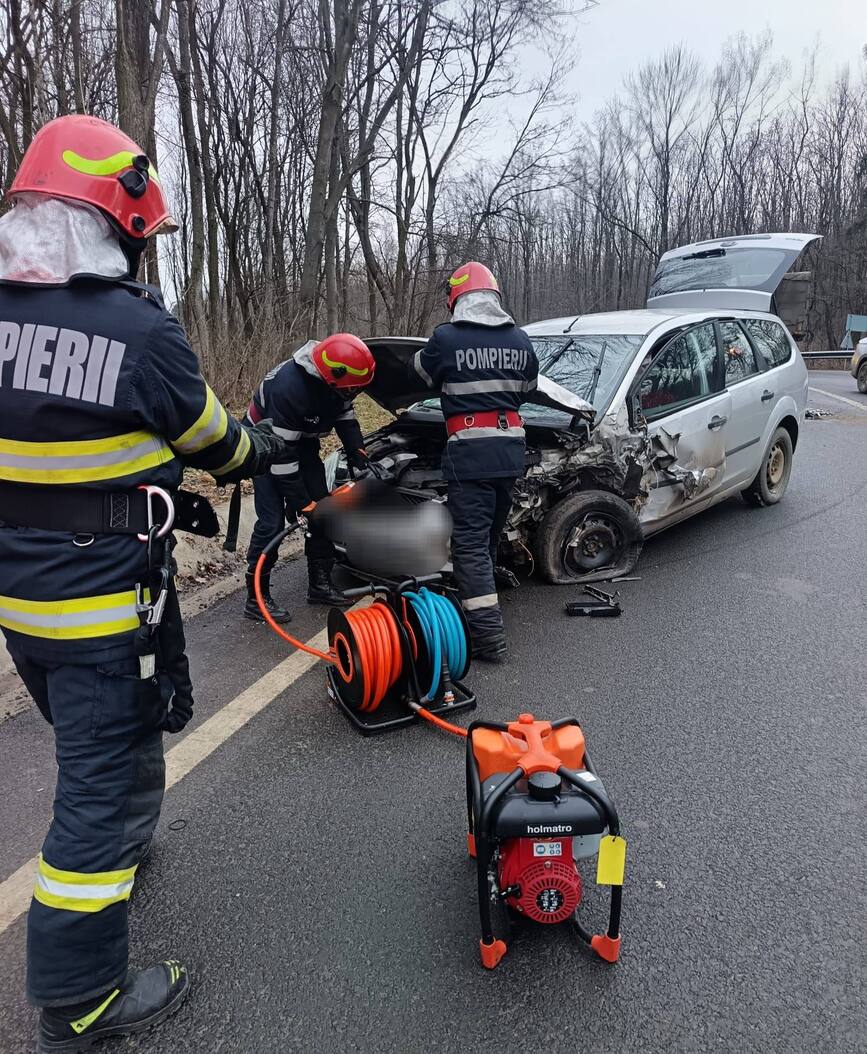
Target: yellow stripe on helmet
<point x="105" y="166"/>
<point x="459" y="281"/>
<point x="342" y="366"/>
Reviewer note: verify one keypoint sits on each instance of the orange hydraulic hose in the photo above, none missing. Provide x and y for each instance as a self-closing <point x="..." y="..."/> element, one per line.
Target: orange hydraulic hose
<point x="446" y="726"/>
<point x="266" y="614"/>
<point x="378" y="644"/>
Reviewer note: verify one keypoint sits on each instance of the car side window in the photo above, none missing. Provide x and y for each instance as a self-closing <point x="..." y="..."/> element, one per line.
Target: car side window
<point x="684" y="372"/>
<point x="739" y="359"/>
<point x="771" y="340"/>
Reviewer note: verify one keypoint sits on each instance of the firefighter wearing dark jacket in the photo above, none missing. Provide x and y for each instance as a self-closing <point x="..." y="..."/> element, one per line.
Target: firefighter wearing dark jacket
<point x="305" y="397"/>
<point x="483" y="366"/>
<point x="100" y="394"/>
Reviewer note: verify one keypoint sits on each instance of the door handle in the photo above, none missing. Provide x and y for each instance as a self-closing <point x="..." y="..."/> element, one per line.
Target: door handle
<point x="767" y="395"/>
<point x="716" y="422"/>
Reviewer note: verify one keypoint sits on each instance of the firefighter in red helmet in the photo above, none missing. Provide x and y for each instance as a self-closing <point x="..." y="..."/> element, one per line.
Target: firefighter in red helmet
<point x="483" y="366"/>
<point x="101" y="405"/>
<point x="305" y="396"/>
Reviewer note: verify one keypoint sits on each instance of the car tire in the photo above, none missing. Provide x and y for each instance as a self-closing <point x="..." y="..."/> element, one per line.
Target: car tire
<point x="772" y="479"/>
<point x="862" y="378"/>
<point x="589" y="536"/>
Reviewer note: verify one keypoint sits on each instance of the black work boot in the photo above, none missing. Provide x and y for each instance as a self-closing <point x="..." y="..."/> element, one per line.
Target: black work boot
<point x="146" y="998"/>
<point x="251" y="608"/>
<point x="320" y="588"/>
<point x="492" y="650"/>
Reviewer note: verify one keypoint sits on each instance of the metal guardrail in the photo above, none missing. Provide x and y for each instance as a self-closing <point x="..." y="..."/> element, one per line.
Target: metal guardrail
<point x="832" y="360"/>
<point x="812" y="355"/>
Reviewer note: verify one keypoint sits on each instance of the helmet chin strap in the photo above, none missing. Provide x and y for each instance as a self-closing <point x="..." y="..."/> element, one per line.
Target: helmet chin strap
<point x="133" y="248"/>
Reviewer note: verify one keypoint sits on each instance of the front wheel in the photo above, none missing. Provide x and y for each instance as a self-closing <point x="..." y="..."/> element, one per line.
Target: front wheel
<point x="862" y="378"/>
<point x="588" y="537"/>
<point x="772" y="479"/>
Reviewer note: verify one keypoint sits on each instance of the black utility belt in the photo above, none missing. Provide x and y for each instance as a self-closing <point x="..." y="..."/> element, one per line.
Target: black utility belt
<point x="85" y="510"/>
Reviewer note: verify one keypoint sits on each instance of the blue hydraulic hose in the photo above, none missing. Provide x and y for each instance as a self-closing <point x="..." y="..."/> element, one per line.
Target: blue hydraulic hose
<point x="444" y="635"/>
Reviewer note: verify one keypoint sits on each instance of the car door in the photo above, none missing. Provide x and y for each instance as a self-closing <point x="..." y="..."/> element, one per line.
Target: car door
<point x="752" y="401"/>
<point x="688" y="412"/>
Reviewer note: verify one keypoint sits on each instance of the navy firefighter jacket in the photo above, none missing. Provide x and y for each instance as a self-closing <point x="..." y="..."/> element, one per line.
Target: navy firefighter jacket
<point x="477" y="369"/>
<point x="302" y="407"/>
<point x="98" y="388"/>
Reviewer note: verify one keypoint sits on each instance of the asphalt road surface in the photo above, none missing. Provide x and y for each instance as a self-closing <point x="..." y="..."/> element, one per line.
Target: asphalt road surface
<point x="316" y="883"/>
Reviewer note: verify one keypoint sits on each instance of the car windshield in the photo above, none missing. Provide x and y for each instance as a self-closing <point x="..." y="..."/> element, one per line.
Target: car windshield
<point x="573" y="360"/>
<point x="588" y="364"/>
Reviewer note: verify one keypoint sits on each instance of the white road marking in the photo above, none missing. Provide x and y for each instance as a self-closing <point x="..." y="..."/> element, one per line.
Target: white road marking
<point x="841" y="398"/>
<point x="15" y="891"/>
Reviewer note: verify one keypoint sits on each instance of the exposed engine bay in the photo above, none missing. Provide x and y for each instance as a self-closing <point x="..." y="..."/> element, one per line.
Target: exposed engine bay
<point x="558" y="463"/>
<point x="567" y="455"/>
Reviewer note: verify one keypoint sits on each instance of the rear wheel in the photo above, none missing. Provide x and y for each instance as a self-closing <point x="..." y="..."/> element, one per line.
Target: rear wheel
<point x="589" y="536"/>
<point x="772" y="479"/>
<point x="862" y="378"/>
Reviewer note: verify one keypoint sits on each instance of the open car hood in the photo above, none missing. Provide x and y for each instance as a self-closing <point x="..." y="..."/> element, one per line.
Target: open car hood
<point x="395" y="387"/>
<point x="737" y="273"/>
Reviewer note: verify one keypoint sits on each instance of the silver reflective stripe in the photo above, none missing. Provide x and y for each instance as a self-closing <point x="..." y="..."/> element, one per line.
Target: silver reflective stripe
<point x="474" y="603"/>
<point x="488" y="433"/>
<point x="421" y="371"/>
<point x="69" y="618"/>
<point x="286" y="469"/>
<point x="81" y="892"/>
<point x="106" y="457"/>
<point x="478" y="387"/>
<point x="203" y="436"/>
<point x="287" y="433"/>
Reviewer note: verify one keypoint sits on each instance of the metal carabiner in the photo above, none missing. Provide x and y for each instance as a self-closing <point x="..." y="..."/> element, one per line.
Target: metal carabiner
<point x="151" y="490"/>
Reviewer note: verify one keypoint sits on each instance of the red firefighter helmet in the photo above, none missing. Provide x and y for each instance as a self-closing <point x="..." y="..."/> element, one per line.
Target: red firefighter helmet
<point x="89" y="160"/>
<point x="344" y="361"/>
<point x="470" y="278"/>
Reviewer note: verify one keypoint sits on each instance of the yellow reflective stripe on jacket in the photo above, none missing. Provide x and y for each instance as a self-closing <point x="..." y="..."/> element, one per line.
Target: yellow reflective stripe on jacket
<point x="75" y="619"/>
<point x="209" y="427"/>
<point x="82" y="461"/>
<point x="238" y="458"/>
<point x="81" y="890"/>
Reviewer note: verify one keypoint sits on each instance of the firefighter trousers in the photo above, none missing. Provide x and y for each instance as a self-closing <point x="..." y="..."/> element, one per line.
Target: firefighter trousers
<point x="479" y="510"/>
<point x="272" y="511"/>
<point x="110" y="783"/>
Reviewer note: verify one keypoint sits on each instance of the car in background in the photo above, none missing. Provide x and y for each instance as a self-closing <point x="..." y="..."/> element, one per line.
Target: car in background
<point x="858" y="365"/>
<point x="642" y="419"/>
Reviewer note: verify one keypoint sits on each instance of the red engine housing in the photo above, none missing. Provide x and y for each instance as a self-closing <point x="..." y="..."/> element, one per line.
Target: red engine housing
<point x="545" y="871"/>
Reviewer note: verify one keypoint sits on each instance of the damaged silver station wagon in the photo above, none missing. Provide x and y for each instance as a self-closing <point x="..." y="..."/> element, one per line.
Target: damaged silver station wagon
<point x="642" y="418"/>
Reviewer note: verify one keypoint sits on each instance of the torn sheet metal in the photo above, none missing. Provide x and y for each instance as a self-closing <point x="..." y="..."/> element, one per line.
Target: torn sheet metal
<point x="681" y="469"/>
<point x="615" y="457"/>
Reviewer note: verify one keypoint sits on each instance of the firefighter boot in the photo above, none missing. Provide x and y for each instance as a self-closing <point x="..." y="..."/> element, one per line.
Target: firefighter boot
<point x="145" y="999"/>
<point x="492" y="649"/>
<point x="251" y="608"/>
<point x="320" y="589"/>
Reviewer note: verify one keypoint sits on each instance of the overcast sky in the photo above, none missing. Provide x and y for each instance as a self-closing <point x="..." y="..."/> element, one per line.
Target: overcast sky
<point x="620" y="35"/>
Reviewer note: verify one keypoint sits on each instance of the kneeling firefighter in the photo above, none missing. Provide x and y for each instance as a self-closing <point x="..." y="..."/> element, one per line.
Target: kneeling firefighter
<point x="101" y="405"/>
<point x="483" y="366"/>
<point x="305" y="396"/>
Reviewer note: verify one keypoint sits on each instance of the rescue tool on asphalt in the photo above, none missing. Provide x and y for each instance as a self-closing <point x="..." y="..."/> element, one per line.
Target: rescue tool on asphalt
<point x="536" y="806"/>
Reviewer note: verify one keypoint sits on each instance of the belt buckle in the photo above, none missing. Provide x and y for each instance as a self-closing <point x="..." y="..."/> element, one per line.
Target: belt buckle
<point x="503" y="421"/>
<point x="469" y="421"/>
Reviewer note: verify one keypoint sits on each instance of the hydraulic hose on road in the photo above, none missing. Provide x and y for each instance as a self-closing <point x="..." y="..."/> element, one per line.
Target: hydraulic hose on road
<point x="376" y="637"/>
